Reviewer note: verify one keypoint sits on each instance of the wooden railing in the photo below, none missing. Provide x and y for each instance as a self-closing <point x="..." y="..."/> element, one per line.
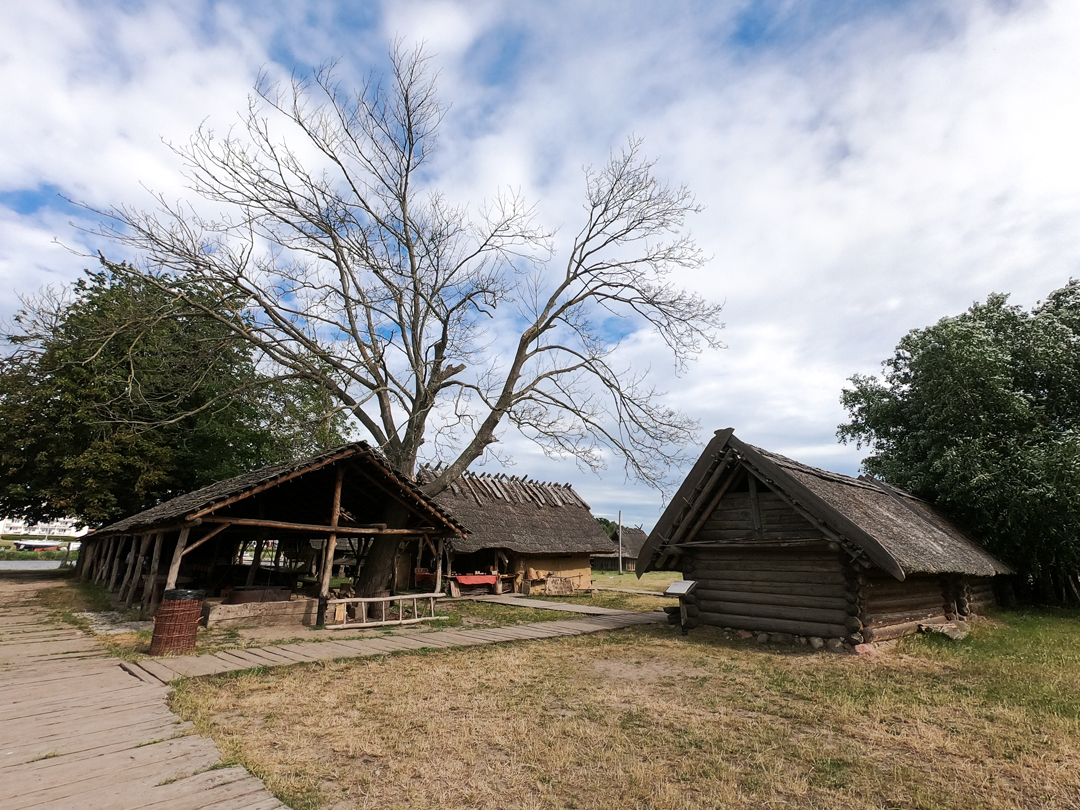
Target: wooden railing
<point x="378" y="611"/>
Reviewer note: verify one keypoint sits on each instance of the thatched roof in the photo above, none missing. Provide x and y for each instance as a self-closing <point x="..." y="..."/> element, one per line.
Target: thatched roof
<point x="523" y="516"/>
<point x="893" y="529"/>
<point x="633" y="538"/>
<point x="205" y="501"/>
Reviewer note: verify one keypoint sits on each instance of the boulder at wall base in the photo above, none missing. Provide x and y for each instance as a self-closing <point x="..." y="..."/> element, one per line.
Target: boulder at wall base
<point x="835" y="645"/>
<point x="817" y="643"/>
<point x="865" y="649"/>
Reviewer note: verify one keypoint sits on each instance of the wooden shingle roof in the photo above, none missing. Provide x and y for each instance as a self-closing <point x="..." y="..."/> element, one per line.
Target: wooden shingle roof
<point x="523" y="516"/>
<point x="895" y="530"/>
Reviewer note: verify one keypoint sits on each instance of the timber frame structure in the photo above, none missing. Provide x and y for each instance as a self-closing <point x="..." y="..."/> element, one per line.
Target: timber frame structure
<point x="779" y="547"/>
<point x="303" y="509"/>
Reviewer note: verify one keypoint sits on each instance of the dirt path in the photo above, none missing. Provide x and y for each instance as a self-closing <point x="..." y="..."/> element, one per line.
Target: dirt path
<point x="77" y="730"/>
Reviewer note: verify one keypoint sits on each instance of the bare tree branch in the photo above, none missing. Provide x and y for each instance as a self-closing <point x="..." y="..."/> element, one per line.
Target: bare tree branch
<point x="334" y="262"/>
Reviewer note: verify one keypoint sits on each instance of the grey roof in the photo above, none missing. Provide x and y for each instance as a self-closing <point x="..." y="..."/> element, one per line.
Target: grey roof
<point x="633" y="538"/>
<point x="205" y="500"/>
<point x="895" y="530"/>
<point x="523" y="516"/>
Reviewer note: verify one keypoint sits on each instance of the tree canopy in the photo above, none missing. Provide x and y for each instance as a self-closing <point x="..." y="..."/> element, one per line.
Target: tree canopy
<point x="115" y="396"/>
<point x="434" y="324"/>
<point x="980" y="413"/>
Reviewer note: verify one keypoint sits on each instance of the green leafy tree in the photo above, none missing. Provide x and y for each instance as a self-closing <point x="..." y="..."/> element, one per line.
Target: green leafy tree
<point x="114" y="397"/>
<point x="980" y="413"/>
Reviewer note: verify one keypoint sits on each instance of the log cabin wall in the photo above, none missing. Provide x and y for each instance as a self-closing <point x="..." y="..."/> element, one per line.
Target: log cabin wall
<point x="804" y="591"/>
<point x="767" y="568"/>
<point x="890" y="608"/>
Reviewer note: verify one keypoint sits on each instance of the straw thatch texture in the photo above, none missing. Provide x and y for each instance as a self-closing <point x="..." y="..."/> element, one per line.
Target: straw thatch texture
<point x="522" y="516"/>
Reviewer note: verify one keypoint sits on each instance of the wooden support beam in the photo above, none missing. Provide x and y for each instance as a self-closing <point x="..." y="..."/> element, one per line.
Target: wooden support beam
<point x="102" y="565"/>
<point x="178" y="555"/>
<point x="210" y="535"/>
<point x="331" y="545"/>
<point x="115" y="569"/>
<point x="315" y="528"/>
<point x="755" y="505"/>
<point x="136" y="575"/>
<point x="129" y="572"/>
<point x="151" y="582"/>
<point x="86" y="560"/>
<point x="256" y="560"/>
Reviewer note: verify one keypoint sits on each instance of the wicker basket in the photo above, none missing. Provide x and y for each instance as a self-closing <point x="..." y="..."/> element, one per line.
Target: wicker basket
<point x="177" y="622"/>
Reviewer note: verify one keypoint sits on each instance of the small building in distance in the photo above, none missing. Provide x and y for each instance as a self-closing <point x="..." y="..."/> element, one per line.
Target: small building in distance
<point x="633" y="538"/>
<point x="779" y="547"/>
<point x="523" y="531"/>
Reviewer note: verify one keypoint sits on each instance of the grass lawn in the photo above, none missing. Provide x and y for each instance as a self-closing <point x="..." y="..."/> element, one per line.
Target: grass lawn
<point x="652" y="581"/>
<point x="647" y="718"/>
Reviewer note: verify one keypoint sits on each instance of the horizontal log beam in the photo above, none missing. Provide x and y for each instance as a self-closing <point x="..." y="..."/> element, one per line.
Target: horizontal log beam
<point x="816" y="552"/>
<point x="901" y="616"/>
<point x="741" y="566"/>
<point x="808" y="534"/>
<point x="892" y="631"/>
<point x="366" y="531"/>
<point x="893" y="605"/>
<point x="794" y="614"/>
<point x="792" y="588"/>
<point x="832" y="602"/>
<point x="722" y="575"/>
<point x="797" y="628"/>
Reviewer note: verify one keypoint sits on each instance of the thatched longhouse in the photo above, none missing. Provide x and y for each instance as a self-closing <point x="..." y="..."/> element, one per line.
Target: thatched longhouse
<point x="523" y="529"/>
<point x="780" y="547"/>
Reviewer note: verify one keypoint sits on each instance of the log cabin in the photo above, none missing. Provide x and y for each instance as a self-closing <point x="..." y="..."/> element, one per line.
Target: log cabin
<point x="779" y="547"/>
<point x="306" y="511"/>
<point x="524" y="532"/>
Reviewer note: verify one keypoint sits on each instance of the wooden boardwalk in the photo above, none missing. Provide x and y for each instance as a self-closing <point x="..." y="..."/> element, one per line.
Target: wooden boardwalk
<point x="194" y="666"/>
<point x="78" y="731"/>
<point x="82" y="730"/>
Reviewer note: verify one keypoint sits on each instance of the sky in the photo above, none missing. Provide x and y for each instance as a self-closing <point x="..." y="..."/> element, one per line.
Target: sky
<point x="865" y="168"/>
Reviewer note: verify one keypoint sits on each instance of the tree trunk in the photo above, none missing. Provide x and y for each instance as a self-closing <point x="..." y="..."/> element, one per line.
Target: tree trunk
<point x="373" y="579"/>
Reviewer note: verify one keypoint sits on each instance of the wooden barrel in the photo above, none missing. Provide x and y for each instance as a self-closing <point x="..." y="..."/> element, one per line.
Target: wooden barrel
<point x="177" y="622"/>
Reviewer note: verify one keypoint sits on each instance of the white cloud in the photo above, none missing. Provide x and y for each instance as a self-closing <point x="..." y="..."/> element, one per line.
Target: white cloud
<point x="859" y="181"/>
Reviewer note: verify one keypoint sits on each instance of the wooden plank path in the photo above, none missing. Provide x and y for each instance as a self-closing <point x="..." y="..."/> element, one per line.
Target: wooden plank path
<point x="78" y="731"/>
<point x="193" y="666"/>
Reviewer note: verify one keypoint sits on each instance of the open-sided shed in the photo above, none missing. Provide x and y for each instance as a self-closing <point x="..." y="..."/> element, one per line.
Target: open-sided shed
<point x="777" y="546"/>
<point x="305" y="511"/>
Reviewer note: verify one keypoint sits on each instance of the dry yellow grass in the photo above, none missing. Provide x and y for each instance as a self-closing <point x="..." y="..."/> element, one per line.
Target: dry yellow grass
<point x="647" y="718"/>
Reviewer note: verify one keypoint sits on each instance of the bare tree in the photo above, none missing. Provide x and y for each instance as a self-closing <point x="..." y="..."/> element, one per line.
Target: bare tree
<point x="337" y="265"/>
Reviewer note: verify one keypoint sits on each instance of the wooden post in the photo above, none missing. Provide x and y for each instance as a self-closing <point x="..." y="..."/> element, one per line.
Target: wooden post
<point x="116" y="561"/>
<point x="256" y="561"/>
<point x="151" y="583"/>
<point x="755" y="508"/>
<point x="103" y="563"/>
<point x="331" y="545"/>
<point x="86" y="554"/>
<point x="620" y="541"/>
<point x="438" y="567"/>
<point x="178" y="555"/>
<point x="129" y="571"/>
<point x="138" y="569"/>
